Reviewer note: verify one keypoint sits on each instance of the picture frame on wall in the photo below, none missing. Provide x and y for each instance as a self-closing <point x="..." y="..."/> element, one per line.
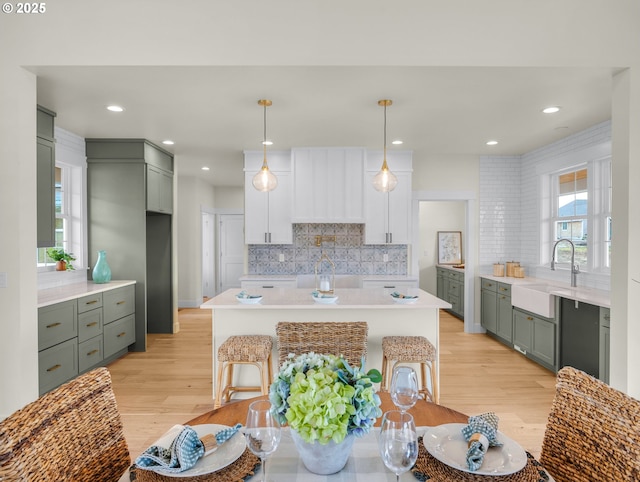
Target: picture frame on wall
<point x="449" y="247"/>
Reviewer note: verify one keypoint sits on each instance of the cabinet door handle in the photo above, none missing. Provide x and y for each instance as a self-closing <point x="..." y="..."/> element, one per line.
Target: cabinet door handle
<point x="391" y="237"/>
<point x="92" y="352"/>
<point x="268" y="286"/>
<point x="94" y="323"/>
<point x="92" y="302"/>
<point x="53" y="368"/>
<point x="529" y="318"/>
<point x="53" y="325"/>
<point x="121" y="302"/>
<point x="122" y="334"/>
<point x="489" y="284"/>
<point x="269" y="237"/>
<point x="389" y="286"/>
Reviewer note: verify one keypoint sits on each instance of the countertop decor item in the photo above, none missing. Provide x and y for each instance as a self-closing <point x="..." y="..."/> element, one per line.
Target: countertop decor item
<point x="449" y="247"/>
<point x="325" y="401"/>
<point x="265" y="180"/>
<point x="101" y="271"/>
<point x="62" y="259"/>
<point x="325" y="272"/>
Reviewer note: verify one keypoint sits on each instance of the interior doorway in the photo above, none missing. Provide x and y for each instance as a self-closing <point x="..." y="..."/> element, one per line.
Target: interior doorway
<point x="230" y="251"/>
<point x="208" y="255"/>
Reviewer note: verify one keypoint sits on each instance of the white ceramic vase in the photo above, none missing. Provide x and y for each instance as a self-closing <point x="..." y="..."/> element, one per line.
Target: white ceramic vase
<point x="323" y="459"/>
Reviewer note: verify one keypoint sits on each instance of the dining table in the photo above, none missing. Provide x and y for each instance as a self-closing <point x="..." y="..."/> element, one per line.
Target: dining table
<point x="364" y="464"/>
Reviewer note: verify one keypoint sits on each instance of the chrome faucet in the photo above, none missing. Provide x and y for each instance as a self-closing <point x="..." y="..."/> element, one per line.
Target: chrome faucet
<point x="575" y="269"/>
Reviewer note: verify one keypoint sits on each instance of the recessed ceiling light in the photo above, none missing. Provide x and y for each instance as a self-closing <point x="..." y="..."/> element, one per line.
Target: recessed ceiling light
<point x="115" y="108"/>
<point x="267" y="143"/>
<point x="397" y="142"/>
<point x="492" y="143"/>
<point x="552" y="109"/>
<point x="168" y="142"/>
<point x="204" y="168"/>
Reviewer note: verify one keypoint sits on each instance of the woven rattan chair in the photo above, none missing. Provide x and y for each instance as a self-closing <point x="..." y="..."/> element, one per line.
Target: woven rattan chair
<point x="411" y="349"/>
<point x="73" y="433"/>
<point x="243" y="350"/>
<point x="593" y="431"/>
<point x="345" y="338"/>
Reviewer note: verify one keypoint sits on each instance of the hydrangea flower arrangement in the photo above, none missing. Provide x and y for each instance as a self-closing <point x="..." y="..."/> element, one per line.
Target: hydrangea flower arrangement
<point x="323" y="398"/>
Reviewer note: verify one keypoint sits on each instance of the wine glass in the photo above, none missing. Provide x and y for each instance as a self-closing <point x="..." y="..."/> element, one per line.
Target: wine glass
<point x="262" y="432"/>
<point x="398" y="442"/>
<point x="404" y="387"/>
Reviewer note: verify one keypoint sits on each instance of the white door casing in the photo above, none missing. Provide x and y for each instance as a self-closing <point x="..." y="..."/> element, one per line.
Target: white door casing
<point x="231" y="251"/>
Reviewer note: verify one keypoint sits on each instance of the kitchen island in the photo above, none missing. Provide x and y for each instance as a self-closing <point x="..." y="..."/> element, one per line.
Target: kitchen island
<point x="384" y="316"/>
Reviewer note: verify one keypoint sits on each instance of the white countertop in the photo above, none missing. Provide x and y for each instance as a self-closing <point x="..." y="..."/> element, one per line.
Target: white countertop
<point x="450" y="267"/>
<point x="564" y="290"/>
<point x="350" y="298"/>
<point x="68" y="292"/>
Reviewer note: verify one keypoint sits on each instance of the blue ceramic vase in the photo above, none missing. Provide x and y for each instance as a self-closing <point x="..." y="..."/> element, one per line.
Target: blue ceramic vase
<point x="101" y="271"/>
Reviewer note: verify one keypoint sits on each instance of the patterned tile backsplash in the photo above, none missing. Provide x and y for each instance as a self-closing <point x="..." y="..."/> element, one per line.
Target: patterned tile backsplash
<point x="348" y="253"/>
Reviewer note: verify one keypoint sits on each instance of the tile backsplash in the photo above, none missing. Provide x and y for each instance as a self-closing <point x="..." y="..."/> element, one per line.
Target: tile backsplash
<point x="348" y="253"/>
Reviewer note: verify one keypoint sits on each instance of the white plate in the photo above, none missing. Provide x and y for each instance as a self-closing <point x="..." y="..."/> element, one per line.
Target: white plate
<point x="249" y="301"/>
<point x="447" y="444"/>
<point x="325" y="300"/>
<point x="225" y="455"/>
<point x="404" y="301"/>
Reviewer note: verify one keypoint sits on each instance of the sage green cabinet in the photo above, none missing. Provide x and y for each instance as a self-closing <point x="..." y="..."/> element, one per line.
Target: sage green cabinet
<point x="130" y="217"/>
<point x="535" y="337"/>
<point x="450" y="288"/>
<point x="77" y="335"/>
<point x="605" y="324"/>
<point x="45" y="177"/>
<point x="496" y="309"/>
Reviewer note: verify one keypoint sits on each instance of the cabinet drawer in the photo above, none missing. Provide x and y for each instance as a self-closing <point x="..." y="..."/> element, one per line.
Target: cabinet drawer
<point x="118" y="303"/>
<point x="90" y="302"/>
<point x="89" y="325"/>
<point x="118" y="335"/>
<point x="504" y="289"/>
<point x="389" y="284"/>
<point x="490" y="285"/>
<point x="255" y="284"/>
<point x="454" y="289"/>
<point x="57" y="323"/>
<point x="57" y="364"/>
<point x="90" y="353"/>
<point x="454" y="275"/>
<point x="605" y="317"/>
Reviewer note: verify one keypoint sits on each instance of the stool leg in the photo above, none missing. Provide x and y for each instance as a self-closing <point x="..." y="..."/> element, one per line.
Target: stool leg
<point x="434" y="383"/>
<point x="219" y="384"/>
<point x="384" y="385"/>
<point x="227" y="390"/>
<point x="425" y="386"/>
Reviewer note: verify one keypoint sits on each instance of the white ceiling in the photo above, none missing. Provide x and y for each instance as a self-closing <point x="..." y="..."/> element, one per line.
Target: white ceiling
<point x="212" y="113"/>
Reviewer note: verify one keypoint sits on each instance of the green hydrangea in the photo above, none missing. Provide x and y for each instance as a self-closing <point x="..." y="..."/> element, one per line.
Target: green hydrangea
<point x="323" y="398"/>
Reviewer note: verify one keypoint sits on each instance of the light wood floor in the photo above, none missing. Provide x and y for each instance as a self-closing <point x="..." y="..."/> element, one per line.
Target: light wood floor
<point x="171" y="382"/>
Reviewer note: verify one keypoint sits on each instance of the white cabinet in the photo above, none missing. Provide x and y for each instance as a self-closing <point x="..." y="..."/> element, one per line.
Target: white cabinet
<point x="328" y="185"/>
<point x="388" y="215"/>
<point x="267" y="218"/>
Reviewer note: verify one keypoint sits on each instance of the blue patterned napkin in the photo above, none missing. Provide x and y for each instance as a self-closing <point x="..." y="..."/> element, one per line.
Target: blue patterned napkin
<point x="395" y="294"/>
<point x="481" y="433"/>
<point x="244" y="295"/>
<point x="179" y="449"/>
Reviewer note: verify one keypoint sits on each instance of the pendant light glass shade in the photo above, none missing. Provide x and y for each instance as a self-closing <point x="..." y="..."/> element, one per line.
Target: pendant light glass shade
<point x="265" y="180"/>
<point x="385" y="180"/>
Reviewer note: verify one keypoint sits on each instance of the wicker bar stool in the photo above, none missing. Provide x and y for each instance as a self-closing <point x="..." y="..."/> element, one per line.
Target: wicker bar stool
<point x="410" y="349"/>
<point x="243" y="350"/>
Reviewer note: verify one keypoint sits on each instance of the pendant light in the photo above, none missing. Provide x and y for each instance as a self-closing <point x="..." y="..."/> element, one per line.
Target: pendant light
<point x="385" y="180"/>
<point x="265" y="180"/>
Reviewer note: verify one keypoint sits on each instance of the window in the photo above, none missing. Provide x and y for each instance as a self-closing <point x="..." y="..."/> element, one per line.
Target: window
<point x="581" y="213"/>
<point x="61" y="200"/>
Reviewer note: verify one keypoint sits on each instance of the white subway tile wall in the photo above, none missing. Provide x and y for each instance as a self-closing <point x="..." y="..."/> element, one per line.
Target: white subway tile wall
<point x="509" y="200"/>
<point x="348" y="253"/>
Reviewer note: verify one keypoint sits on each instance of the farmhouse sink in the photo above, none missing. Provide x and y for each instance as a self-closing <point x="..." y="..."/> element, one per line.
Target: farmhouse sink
<point x="536" y="298"/>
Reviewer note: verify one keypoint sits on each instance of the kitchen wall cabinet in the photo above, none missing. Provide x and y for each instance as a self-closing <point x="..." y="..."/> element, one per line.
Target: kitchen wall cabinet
<point x="451" y="289"/>
<point x="131" y="220"/>
<point x="45" y="177"/>
<point x="328" y="185"/>
<point x="267" y="218"/>
<point x="535" y="337"/>
<point x="77" y="335"/>
<point x="603" y="359"/>
<point x="388" y="215"/>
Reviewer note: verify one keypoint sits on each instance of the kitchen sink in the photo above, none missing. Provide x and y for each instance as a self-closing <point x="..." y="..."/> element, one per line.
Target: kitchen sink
<point x="536" y="298"/>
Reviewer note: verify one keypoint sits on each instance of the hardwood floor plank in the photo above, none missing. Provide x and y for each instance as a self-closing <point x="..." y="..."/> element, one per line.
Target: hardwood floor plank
<point x="171" y="382"/>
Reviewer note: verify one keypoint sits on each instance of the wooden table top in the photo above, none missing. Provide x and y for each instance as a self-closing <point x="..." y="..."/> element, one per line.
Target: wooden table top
<point x="424" y="413"/>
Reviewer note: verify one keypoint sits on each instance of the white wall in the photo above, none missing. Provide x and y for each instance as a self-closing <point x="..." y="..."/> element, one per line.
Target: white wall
<point x="436" y="216"/>
<point x="193" y="196"/>
<point x="501" y="33"/>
